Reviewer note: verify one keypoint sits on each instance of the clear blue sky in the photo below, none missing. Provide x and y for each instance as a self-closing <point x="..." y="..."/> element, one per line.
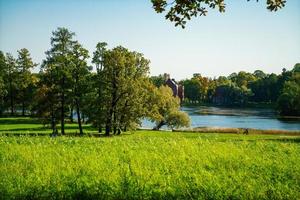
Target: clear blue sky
<point x="246" y="37"/>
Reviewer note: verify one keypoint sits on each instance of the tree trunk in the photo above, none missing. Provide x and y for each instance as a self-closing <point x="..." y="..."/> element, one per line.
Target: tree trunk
<point x="1" y="109"/>
<point x="159" y="125"/>
<point x="62" y="122"/>
<point x="71" y="114"/>
<point x="11" y="99"/>
<point x="23" y="109"/>
<point x="109" y="118"/>
<point x="115" y="129"/>
<point x="108" y="124"/>
<point x="53" y="124"/>
<point x="78" y="117"/>
<point x="83" y="118"/>
<point x="114" y="122"/>
<point x="23" y="103"/>
<point x="99" y="108"/>
<point x="119" y="131"/>
<point x="107" y="129"/>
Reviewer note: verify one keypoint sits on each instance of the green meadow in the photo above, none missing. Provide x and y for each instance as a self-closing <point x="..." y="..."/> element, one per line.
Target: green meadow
<point x="145" y="165"/>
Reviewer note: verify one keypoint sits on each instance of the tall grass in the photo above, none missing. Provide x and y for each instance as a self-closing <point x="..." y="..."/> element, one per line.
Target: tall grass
<point x="150" y="165"/>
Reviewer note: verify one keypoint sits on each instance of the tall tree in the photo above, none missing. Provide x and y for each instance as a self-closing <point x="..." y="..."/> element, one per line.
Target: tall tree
<point x="123" y="75"/>
<point x="10" y="79"/>
<point x="24" y="65"/>
<point x="60" y="57"/>
<point x="97" y="59"/>
<point x="3" y="89"/>
<point x="80" y="72"/>
<point x="47" y="105"/>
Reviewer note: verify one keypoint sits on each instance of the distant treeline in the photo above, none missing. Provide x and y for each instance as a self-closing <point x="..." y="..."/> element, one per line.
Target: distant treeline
<point x="115" y="97"/>
<point x="244" y="88"/>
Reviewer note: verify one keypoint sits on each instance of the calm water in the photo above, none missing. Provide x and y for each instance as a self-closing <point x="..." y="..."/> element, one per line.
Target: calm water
<point x="204" y="116"/>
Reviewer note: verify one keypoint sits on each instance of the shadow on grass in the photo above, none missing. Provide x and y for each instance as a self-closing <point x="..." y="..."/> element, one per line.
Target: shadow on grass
<point x="26" y="129"/>
<point x="285" y="140"/>
<point x="75" y="127"/>
<point x="17" y="120"/>
<point x="73" y="134"/>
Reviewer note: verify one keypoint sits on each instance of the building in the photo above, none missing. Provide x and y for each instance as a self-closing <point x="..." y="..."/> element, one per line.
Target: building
<point x="178" y="90"/>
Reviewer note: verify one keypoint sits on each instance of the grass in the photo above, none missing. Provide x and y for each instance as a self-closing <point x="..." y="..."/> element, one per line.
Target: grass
<point x="27" y="126"/>
<point x="240" y="131"/>
<point x="150" y="165"/>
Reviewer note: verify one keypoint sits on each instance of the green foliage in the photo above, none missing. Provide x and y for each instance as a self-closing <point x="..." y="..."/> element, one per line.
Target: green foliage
<point x="244" y="88"/>
<point x="196" y="88"/>
<point x="80" y="73"/>
<point x="120" y="93"/>
<point x="289" y="100"/>
<point x="150" y="165"/>
<point x="180" y="11"/>
<point x="163" y="108"/>
<point x="95" y="96"/>
<point x="25" y="79"/>
<point x="158" y="80"/>
<point x="11" y="82"/>
<point x="3" y="89"/>
<point x="178" y="119"/>
<point x="54" y="94"/>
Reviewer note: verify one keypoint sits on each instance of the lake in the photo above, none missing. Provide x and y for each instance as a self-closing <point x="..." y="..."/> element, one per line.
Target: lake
<point x="256" y="118"/>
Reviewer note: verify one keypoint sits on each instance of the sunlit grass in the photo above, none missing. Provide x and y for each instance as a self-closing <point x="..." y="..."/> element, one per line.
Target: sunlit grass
<point x="146" y="165"/>
<point x="150" y="165"/>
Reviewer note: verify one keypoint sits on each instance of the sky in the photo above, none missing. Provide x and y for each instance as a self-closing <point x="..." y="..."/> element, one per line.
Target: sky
<point x="246" y="37"/>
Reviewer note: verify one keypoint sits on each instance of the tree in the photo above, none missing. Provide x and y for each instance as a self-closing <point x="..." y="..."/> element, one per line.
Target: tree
<point x="203" y="86"/>
<point x="259" y="74"/>
<point x="24" y="65"/>
<point x="164" y="109"/>
<point x="158" y="80"/>
<point x="47" y="104"/>
<point x="289" y="99"/>
<point x="192" y="90"/>
<point x="59" y="61"/>
<point x="80" y="71"/>
<point x="98" y="57"/>
<point x="179" y="11"/>
<point x="10" y="78"/>
<point x="123" y="75"/>
<point x="265" y="89"/>
<point x="296" y="68"/>
<point x="178" y="119"/>
<point x="3" y="89"/>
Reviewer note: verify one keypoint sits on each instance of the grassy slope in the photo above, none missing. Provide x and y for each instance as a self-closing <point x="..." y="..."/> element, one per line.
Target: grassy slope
<point x="146" y="164"/>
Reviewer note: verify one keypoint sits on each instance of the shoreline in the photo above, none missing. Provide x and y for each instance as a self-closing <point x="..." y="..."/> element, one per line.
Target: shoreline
<point x="243" y="131"/>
